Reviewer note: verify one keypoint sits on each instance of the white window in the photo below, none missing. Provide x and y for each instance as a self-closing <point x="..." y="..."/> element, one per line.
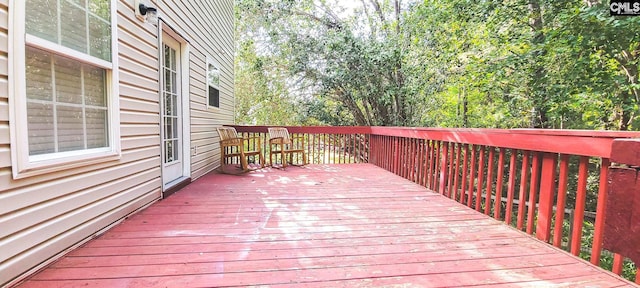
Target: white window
<point x="213" y="84"/>
<point x="65" y="94"/>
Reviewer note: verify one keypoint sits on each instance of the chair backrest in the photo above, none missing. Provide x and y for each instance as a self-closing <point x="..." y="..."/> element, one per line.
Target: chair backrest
<point x="227" y="133"/>
<point x="279" y="132"/>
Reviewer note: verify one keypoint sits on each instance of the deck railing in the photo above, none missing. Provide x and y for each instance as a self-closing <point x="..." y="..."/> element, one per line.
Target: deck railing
<point x="542" y="182"/>
<point x="324" y="145"/>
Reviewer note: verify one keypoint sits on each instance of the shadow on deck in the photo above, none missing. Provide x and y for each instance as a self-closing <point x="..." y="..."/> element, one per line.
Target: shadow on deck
<point x="352" y="225"/>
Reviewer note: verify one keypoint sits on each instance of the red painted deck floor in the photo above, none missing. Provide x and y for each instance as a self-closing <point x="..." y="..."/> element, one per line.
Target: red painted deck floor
<point x="318" y="226"/>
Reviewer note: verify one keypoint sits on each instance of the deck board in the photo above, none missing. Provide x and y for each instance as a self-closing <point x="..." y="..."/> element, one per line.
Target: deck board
<point x="350" y="225"/>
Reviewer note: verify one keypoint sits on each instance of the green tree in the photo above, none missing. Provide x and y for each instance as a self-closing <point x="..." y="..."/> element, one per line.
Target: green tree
<point x="459" y="63"/>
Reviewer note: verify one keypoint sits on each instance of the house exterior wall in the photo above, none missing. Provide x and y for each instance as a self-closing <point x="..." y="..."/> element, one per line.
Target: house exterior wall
<point x="43" y="216"/>
<point x="210" y="34"/>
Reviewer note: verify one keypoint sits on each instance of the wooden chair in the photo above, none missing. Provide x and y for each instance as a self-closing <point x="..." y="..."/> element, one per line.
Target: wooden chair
<point x="281" y="143"/>
<point x="233" y="146"/>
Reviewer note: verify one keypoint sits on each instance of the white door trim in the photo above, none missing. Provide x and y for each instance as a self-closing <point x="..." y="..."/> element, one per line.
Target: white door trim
<point x="164" y="28"/>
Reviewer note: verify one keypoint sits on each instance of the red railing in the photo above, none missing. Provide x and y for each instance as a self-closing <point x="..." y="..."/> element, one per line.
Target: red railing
<point x="324" y="144"/>
<point x="543" y="182"/>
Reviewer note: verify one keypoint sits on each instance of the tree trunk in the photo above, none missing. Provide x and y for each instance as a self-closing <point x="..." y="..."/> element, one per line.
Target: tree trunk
<point x="536" y="86"/>
<point x="465" y="109"/>
<point x="629" y="97"/>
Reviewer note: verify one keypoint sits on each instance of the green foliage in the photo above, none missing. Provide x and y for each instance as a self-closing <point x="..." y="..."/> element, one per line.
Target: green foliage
<point x="459" y="63"/>
<point x="629" y="269"/>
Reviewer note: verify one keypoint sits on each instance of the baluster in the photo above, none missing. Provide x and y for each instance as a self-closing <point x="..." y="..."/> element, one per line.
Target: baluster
<point x="598" y="231"/>
<point x="511" y="187"/>
<point x="480" y="178"/>
<point x="497" y="207"/>
<point x="452" y="150"/>
<point x="522" y="201"/>
<point x="457" y="172"/>
<point x="465" y="168"/>
<point x="472" y="175"/>
<point x="581" y="198"/>
<point x="562" y="196"/>
<point x="487" y="198"/>
<point x="618" y="262"/>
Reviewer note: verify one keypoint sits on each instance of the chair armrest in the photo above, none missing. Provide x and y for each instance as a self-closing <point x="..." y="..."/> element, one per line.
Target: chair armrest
<point x="278" y="140"/>
<point x="229" y="142"/>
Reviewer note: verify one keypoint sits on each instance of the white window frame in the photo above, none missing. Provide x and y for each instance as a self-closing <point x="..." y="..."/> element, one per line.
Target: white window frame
<point x="24" y="165"/>
<point x="210" y="61"/>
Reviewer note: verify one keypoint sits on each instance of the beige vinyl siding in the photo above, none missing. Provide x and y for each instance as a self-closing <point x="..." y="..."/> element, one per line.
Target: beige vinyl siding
<point x="5" y="152"/>
<point x="43" y="216"/>
<point x="210" y="32"/>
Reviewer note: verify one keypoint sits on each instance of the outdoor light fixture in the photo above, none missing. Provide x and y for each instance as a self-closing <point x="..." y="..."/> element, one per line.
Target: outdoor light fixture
<point x="146" y="13"/>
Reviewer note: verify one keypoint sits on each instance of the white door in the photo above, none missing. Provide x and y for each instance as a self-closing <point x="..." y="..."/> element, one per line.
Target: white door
<point x="171" y="98"/>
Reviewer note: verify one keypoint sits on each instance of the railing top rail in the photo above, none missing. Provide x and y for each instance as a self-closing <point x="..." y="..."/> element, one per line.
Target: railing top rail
<point x="307" y="129"/>
<point x="574" y="142"/>
<point x="559" y="132"/>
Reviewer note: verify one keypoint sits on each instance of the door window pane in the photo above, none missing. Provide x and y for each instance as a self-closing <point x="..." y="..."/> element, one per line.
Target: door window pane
<point x="176" y="153"/>
<point x="168" y="128"/>
<point x="175" y="127"/>
<point x="168" y="154"/>
<point x="174" y="104"/>
<point x="167" y="56"/>
<point x="168" y="84"/>
<point x="167" y="104"/>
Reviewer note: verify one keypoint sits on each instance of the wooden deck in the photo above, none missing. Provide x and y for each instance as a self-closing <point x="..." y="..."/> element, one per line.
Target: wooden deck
<point x="352" y="225"/>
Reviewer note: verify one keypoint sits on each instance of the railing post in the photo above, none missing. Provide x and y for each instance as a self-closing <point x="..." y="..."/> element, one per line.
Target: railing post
<point x="547" y="191"/>
<point x="598" y="231"/>
<point x="533" y="192"/>
<point x="618" y="218"/>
